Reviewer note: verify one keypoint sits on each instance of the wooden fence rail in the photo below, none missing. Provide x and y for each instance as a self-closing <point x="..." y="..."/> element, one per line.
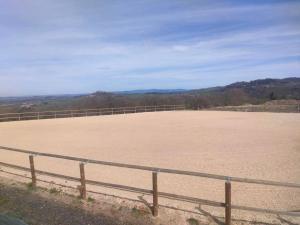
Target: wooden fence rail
<point x="292" y="108"/>
<point x="154" y="192"/>
<point x="155" y="169"/>
<point x="86" y="112"/>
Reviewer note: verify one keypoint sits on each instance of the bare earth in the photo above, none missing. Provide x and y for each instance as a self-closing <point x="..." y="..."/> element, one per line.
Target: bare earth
<point x="252" y="145"/>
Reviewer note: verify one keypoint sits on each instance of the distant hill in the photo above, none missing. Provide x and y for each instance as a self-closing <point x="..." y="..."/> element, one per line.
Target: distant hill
<point x="253" y="92"/>
<point x="152" y="91"/>
<point x="239" y="93"/>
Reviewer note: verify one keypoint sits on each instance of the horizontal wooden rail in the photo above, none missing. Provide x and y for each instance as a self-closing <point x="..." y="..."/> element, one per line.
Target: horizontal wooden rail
<point x="117" y="186"/>
<point x="86" y="112"/>
<point x="40" y="172"/>
<point x="96" y="109"/>
<point x="190" y="199"/>
<point x="157" y="169"/>
<point x="147" y="191"/>
<point x="259" y="108"/>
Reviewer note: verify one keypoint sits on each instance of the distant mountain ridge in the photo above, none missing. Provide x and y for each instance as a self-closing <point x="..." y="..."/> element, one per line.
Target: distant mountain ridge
<point x="239" y="93"/>
<point x="151" y="91"/>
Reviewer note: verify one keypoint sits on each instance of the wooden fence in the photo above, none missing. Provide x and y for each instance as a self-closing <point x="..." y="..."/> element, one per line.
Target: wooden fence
<point x="288" y="108"/>
<point x="86" y="112"/>
<point x="154" y="192"/>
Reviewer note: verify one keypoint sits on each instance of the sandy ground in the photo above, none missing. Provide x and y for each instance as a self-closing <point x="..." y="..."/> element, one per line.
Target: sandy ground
<point x="252" y="145"/>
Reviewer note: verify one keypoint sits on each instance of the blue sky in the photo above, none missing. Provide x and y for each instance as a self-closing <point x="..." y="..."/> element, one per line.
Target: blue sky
<point x="81" y="46"/>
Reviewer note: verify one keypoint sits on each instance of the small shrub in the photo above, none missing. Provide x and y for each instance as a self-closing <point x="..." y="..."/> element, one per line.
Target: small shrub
<point x="192" y="221"/>
<point x="135" y="211"/>
<point x="30" y="186"/>
<point x="54" y="191"/>
<point x="90" y="199"/>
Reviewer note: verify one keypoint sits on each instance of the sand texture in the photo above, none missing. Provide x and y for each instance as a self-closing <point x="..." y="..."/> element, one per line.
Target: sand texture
<point x="252" y="145"/>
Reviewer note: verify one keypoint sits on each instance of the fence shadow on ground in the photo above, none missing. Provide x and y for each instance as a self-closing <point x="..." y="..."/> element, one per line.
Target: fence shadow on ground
<point x="154" y="191"/>
<point x="140" y="199"/>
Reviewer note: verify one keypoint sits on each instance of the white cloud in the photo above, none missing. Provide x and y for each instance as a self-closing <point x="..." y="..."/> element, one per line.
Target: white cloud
<point x="110" y="44"/>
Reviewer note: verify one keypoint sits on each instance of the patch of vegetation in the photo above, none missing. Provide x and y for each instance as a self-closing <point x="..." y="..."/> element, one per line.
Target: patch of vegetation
<point x="11" y="218"/>
<point x="138" y="212"/>
<point x="77" y="201"/>
<point x="54" y="191"/>
<point x="70" y="195"/>
<point x="3" y="200"/>
<point x="78" y="197"/>
<point x="90" y="199"/>
<point x="30" y="186"/>
<point x="192" y="221"/>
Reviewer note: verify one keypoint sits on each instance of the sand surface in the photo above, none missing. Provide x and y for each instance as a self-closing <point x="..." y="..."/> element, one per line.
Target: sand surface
<point x="252" y="145"/>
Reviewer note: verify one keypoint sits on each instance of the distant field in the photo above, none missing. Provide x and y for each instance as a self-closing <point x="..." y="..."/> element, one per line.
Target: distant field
<point x="282" y="106"/>
<point x="253" y="145"/>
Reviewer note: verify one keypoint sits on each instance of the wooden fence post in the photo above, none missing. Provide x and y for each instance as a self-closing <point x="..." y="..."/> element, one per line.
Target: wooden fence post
<point x="82" y="181"/>
<point x="155" y="194"/>
<point x="32" y="170"/>
<point x="227" y="202"/>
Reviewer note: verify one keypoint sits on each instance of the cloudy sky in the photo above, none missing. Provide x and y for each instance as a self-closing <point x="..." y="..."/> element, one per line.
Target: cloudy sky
<point x="80" y="46"/>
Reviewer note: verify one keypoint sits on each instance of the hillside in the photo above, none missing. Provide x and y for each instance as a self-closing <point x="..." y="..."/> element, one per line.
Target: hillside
<point x="240" y="93"/>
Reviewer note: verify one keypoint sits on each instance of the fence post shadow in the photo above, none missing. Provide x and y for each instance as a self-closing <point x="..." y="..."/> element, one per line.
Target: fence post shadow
<point x="284" y="220"/>
<point x="154" y="192"/>
<point x="209" y="215"/>
<point x="144" y="201"/>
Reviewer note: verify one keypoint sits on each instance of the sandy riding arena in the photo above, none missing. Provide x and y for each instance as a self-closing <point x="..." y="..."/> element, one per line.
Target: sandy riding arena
<point x="252" y="145"/>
